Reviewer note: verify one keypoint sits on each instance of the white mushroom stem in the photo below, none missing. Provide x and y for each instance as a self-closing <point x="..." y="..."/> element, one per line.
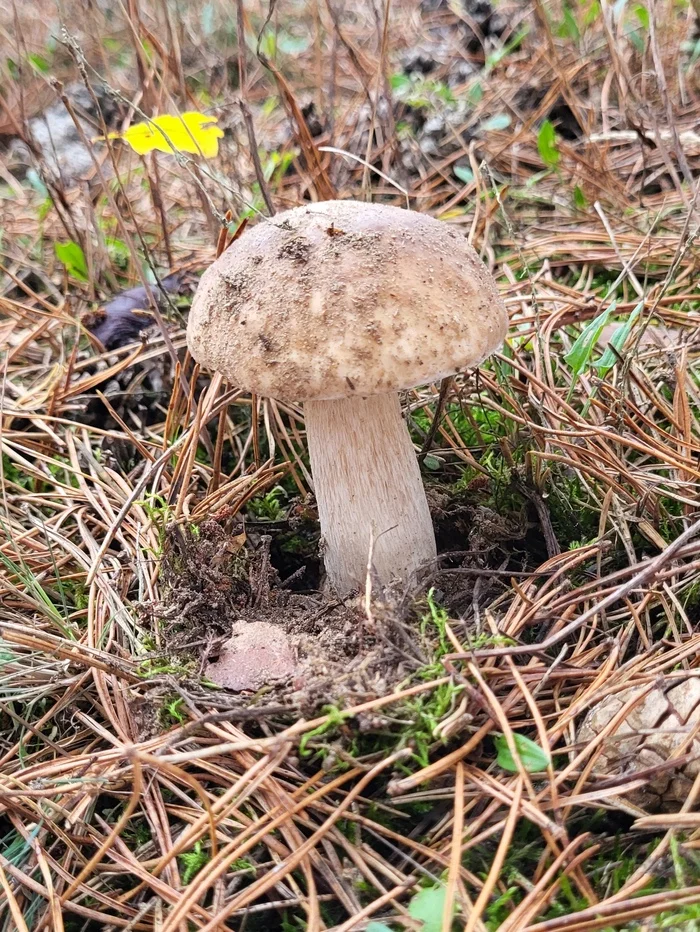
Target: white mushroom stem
<point x="369" y="491"/>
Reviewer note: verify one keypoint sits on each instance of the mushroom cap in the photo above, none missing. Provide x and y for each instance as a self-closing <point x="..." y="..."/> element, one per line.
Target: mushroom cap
<point x="345" y="298"/>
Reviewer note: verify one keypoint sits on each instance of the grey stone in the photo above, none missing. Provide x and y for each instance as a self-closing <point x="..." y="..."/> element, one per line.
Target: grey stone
<point x="64" y="156"/>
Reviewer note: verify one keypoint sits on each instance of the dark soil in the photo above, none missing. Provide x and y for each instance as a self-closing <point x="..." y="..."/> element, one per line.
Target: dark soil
<point x="215" y="576"/>
<point x="220" y="573"/>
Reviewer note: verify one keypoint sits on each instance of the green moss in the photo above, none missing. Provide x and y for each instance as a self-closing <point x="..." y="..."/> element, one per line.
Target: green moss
<point x="149" y="668"/>
<point x="13" y="474"/>
<point x="191" y="862"/>
<point x="172" y="711"/>
<point x="268" y="507"/>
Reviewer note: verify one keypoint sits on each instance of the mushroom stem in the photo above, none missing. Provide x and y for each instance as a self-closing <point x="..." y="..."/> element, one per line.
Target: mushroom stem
<point x="369" y="491"/>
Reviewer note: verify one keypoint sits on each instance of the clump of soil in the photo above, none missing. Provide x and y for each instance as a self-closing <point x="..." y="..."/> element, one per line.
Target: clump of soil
<point x="206" y="581"/>
<point x="222" y="576"/>
<point x="217" y="579"/>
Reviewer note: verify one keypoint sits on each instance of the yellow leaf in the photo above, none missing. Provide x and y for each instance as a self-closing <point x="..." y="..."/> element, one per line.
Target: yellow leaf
<point x="191" y="132"/>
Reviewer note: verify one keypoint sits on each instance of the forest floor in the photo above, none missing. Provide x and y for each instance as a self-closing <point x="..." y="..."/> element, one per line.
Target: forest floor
<point x="450" y="758"/>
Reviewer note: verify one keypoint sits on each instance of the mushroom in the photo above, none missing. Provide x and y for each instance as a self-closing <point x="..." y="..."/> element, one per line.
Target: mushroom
<point x="341" y="305"/>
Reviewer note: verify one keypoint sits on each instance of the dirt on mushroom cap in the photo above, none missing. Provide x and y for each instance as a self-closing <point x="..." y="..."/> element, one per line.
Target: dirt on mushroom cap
<point x="343" y="297"/>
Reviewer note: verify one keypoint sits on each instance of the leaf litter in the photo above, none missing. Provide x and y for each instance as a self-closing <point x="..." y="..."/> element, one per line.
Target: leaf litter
<point x="137" y="796"/>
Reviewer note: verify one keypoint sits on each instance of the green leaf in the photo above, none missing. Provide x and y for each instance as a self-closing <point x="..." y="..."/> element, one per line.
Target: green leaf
<point x="73" y="257"/>
<point x="592" y="13"/>
<point x="497" y="56"/>
<point x="276" y="164"/>
<point x="580" y="353"/>
<point x="266" y="41"/>
<point x="580" y="201"/>
<point x="568" y="28"/>
<point x="636" y="40"/>
<point x="421" y="92"/>
<point x="400" y="82"/>
<point x="336" y="717"/>
<point x="531" y="755"/>
<point x="535" y="179"/>
<point x="616" y="342"/>
<point x="39" y="63"/>
<point x="432" y="463"/>
<point x="377" y="927"/>
<point x="642" y="14"/>
<point x="44" y="209"/>
<point x="269" y="106"/>
<point x="497" y="121"/>
<point x="444" y="92"/>
<point x="547" y="144"/>
<point x="475" y="93"/>
<point x="465" y="175"/>
<point x="427" y="907"/>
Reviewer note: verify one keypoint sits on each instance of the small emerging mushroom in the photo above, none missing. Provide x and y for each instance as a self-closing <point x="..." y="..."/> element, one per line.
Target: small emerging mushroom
<point x="342" y="305"/>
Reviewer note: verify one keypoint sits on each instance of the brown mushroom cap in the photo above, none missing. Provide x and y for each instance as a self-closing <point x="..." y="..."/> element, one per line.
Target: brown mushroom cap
<point x="342" y="298"/>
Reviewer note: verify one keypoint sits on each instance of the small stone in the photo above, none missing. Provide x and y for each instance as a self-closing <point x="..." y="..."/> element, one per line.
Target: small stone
<point x="459" y="72"/>
<point x="257" y="654"/>
<point x="680" y="787"/>
<point x="65" y="156"/>
<point x="428" y="146"/>
<point x="434" y="125"/>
